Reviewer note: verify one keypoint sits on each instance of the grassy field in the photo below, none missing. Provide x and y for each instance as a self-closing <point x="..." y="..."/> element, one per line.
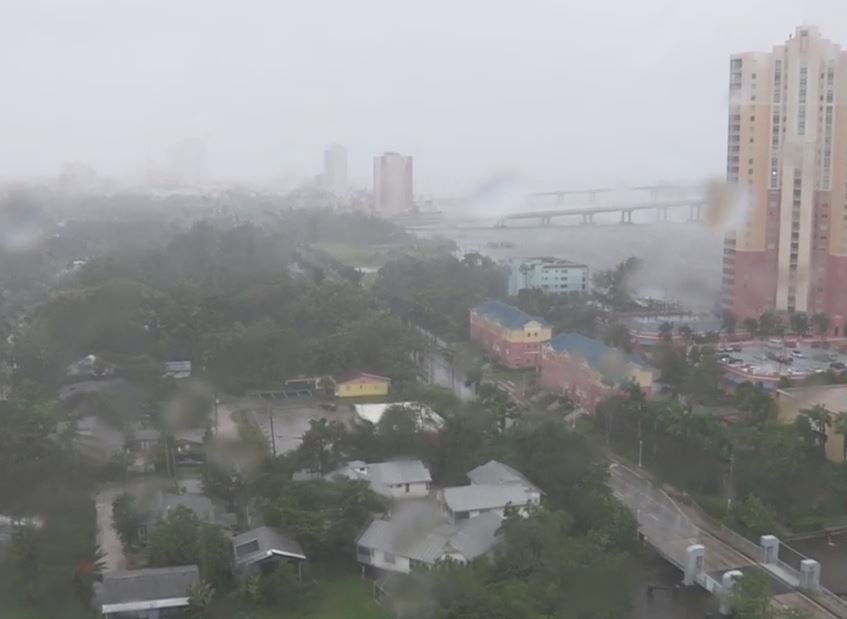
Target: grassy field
<point x="342" y="595"/>
<point x="28" y="613"/>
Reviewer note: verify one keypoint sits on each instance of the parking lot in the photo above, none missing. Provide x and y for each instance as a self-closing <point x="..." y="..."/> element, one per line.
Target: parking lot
<point x="290" y="418"/>
<point x="778" y="359"/>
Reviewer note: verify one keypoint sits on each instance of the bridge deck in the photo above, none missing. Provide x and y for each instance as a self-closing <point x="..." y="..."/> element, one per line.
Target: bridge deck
<point x="596" y="210"/>
<point x="671" y="532"/>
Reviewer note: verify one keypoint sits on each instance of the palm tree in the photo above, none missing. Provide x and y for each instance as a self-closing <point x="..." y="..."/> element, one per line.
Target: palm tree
<point x="200" y="596"/>
<point x="839" y="426"/>
<point x="819" y="419"/>
<point x="821" y="323"/>
<point x="751" y="325"/>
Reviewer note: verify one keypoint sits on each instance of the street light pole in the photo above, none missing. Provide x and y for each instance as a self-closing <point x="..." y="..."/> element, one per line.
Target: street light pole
<point x="730" y="490"/>
<point x="273" y="434"/>
<point x="640" y="451"/>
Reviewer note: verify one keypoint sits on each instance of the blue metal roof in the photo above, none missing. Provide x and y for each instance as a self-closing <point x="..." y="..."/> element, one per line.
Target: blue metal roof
<point x="595" y="352"/>
<point x="506" y="315"/>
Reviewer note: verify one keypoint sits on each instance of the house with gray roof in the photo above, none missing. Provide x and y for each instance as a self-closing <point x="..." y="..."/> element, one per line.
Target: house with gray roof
<point x="148" y="593"/>
<point x="418" y="534"/>
<point x="263" y="549"/>
<point x="396" y="479"/>
<point x="498" y="474"/>
<point x="467" y="502"/>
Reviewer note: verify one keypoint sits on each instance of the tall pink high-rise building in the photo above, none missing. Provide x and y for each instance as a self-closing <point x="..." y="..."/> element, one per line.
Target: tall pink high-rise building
<point x="393" y="191"/>
<point x="787" y="149"/>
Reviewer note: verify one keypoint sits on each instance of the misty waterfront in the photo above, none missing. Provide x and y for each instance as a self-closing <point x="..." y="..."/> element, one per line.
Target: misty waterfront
<point x="663" y="246"/>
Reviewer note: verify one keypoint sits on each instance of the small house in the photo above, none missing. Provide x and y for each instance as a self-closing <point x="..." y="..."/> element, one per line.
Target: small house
<point x="262" y="550"/>
<point x="418" y="534"/>
<point x="498" y="474"/>
<point x="90" y="366"/>
<point x="398" y="479"/>
<point x="177" y="370"/>
<point x="363" y="385"/>
<point x="144" y="439"/>
<point x="425" y="418"/>
<point x="466" y="502"/>
<point x="190" y="445"/>
<point x="148" y="593"/>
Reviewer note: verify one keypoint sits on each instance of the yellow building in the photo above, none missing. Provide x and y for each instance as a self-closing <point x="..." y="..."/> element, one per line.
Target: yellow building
<point x="832" y="397"/>
<point x="363" y="385"/>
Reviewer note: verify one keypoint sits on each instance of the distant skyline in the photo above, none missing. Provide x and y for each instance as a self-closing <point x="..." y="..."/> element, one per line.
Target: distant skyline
<point x="552" y="94"/>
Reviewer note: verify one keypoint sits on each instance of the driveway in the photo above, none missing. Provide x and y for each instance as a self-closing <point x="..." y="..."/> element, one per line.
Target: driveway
<point x="107" y="537"/>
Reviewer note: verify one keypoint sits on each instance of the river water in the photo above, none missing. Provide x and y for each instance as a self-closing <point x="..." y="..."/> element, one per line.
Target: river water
<point x="681" y="260"/>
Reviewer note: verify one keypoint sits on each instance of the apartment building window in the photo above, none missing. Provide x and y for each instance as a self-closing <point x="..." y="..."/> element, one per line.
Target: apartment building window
<point x="801" y="110"/>
<point x="777" y="81"/>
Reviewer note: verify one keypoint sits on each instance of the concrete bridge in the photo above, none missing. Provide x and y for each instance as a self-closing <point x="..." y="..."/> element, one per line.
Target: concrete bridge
<point x="661" y="208"/>
<point x="717" y="559"/>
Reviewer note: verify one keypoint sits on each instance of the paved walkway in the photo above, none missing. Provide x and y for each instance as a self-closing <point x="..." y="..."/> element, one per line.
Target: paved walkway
<point x="107" y="537"/>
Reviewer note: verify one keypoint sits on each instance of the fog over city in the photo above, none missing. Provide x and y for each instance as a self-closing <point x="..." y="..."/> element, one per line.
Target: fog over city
<point x="556" y="93"/>
<point x="423" y="309"/>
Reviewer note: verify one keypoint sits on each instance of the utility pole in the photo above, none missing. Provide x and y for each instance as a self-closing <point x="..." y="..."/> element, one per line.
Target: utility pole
<point x="640" y="438"/>
<point x="217" y="401"/>
<point x="273" y="434"/>
<point x="730" y="490"/>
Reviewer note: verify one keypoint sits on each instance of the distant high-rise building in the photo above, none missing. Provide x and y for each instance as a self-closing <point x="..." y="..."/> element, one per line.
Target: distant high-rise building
<point x="393" y="183"/>
<point x="787" y="149"/>
<point x="335" y="170"/>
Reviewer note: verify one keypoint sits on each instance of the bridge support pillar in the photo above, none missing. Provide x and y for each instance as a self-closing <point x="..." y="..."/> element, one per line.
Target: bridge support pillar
<point x="810" y="575"/>
<point x="664" y="213"/>
<point x="629" y="217"/>
<point x="768" y="549"/>
<point x="728" y="582"/>
<point x="588" y="218"/>
<point x="694" y="555"/>
<point x="695" y="212"/>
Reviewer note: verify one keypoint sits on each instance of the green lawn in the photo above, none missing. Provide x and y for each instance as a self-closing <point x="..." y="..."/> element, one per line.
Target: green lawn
<point x="342" y="595"/>
<point x="29" y="613"/>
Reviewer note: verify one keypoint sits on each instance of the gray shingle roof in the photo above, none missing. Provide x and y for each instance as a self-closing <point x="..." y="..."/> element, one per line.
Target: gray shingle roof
<point x="398" y="472"/>
<point x="158" y="583"/>
<point x="477" y="536"/>
<point x="200" y="506"/>
<point x="259" y="543"/>
<point x="420" y="532"/>
<point x="485" y="496"/>
<point x="497" y="473"/>
<point x="146" y="434"/>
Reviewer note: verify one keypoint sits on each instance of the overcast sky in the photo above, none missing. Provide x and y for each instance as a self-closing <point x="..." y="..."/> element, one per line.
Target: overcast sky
<point x="560" y="92"/>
